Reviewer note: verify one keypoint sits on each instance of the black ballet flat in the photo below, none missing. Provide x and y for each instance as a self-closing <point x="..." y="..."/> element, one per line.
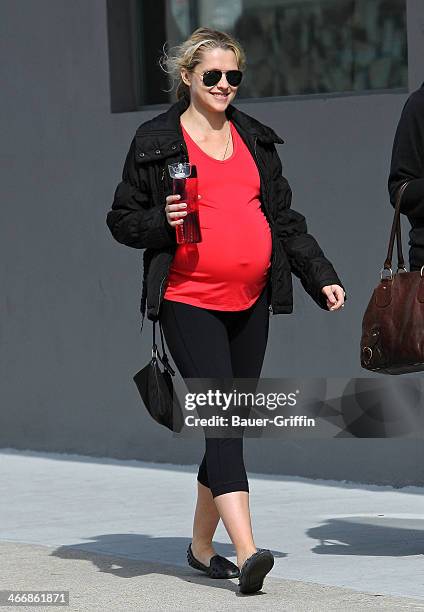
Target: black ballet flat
<point x="219" y="567"/>
<point x="254" y="570"/>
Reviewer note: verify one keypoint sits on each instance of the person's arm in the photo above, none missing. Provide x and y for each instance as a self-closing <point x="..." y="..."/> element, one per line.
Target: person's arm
<point x="307" y="260"/>
<point x="133" y="219"/>
<point x="407" y="163"/>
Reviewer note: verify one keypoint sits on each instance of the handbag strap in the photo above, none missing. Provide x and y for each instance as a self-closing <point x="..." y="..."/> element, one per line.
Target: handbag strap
<point x="396" y="231"/>
<point x="164" y="357"/>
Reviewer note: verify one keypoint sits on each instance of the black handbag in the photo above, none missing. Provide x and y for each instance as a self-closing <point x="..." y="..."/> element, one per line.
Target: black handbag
<point x="157" y="390"/>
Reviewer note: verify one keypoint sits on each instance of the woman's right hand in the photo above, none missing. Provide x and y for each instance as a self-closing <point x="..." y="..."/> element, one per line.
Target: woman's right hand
<point x="175" y="210"/>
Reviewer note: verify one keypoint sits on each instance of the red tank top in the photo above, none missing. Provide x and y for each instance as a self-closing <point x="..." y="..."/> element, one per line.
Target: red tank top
<point x="229" y="268"/>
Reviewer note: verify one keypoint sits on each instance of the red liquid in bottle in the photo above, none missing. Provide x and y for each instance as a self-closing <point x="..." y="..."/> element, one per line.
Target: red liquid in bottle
<point x="189" y="230"/>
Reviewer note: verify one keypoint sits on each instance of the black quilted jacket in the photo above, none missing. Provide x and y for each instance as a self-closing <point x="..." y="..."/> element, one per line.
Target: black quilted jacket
<point x="137" y="217"/>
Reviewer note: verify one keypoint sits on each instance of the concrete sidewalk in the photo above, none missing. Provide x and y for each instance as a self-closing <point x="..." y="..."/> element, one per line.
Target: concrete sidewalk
<point x="109" y="583"/>
<point x="114" y="533"/>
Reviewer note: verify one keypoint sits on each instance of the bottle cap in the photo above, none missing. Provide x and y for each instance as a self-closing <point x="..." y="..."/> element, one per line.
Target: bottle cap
<point x="179" y="170"/>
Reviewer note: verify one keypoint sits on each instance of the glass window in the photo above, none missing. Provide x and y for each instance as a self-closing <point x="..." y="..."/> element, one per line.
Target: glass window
<point x="293" y="47"/>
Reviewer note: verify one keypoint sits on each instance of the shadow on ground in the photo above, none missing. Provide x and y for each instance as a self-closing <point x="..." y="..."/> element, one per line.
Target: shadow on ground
<point x="373" y="535"/>
<point x="127" y="555"/>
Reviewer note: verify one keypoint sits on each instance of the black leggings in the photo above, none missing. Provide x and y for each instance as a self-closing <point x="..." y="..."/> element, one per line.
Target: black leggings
<point x="206" y="343"/>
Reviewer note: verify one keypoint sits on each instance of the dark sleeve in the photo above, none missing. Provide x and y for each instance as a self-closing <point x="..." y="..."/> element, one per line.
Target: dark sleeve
<point x="133" y="219"/>
<point x="307" y="260"/>
<point x="407" y="162"/>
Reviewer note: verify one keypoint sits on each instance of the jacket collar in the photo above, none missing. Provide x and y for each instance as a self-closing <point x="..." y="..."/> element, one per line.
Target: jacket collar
<point x="162" y="135"/>
<point x="251" y="125"/>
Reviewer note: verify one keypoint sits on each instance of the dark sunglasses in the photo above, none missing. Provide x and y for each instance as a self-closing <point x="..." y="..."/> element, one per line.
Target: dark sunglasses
<point x="212" y="77"/>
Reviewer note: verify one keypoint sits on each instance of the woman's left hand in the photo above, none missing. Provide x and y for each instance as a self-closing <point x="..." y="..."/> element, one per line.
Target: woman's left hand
<point x="335" y="296"/>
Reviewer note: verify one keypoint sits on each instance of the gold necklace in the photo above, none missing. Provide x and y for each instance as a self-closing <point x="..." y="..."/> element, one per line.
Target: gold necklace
<point x="228" y="140"/>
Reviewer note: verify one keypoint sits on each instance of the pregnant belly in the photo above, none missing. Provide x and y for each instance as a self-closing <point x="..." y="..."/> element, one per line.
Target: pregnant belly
<point x="231" y="252"/>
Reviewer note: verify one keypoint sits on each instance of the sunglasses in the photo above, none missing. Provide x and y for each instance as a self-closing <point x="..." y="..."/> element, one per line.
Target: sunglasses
<point x="212" y="77"/>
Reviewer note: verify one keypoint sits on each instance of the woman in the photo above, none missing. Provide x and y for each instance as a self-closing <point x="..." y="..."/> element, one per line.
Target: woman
<point x="407" y="164"/>
<point x="214" y="297"/>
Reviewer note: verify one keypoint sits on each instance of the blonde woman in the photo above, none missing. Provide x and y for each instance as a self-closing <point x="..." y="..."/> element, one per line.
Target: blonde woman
<point x="214" y="298"/>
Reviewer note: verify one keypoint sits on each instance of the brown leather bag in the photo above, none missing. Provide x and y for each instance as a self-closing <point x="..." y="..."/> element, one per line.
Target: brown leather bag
<point x="393" y="325"/>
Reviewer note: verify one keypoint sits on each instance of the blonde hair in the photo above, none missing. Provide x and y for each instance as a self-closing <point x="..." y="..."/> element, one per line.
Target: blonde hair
<point x="189" y="54"/>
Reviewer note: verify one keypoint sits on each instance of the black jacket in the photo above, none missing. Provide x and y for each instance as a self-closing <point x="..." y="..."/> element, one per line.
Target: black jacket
<point x="408" y="165"/>
<point x="137" y="218"/>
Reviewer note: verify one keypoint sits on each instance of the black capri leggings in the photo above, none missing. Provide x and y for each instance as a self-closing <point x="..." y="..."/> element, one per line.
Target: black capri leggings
<point x="206" y="343"/>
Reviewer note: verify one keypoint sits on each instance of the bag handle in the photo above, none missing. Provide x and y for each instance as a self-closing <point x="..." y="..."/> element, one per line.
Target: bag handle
<point x="155" y="354"/>
<point x="396" y="230"/>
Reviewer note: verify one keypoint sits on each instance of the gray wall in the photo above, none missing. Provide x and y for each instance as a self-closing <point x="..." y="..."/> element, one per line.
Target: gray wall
<point x="70" y="294"/>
